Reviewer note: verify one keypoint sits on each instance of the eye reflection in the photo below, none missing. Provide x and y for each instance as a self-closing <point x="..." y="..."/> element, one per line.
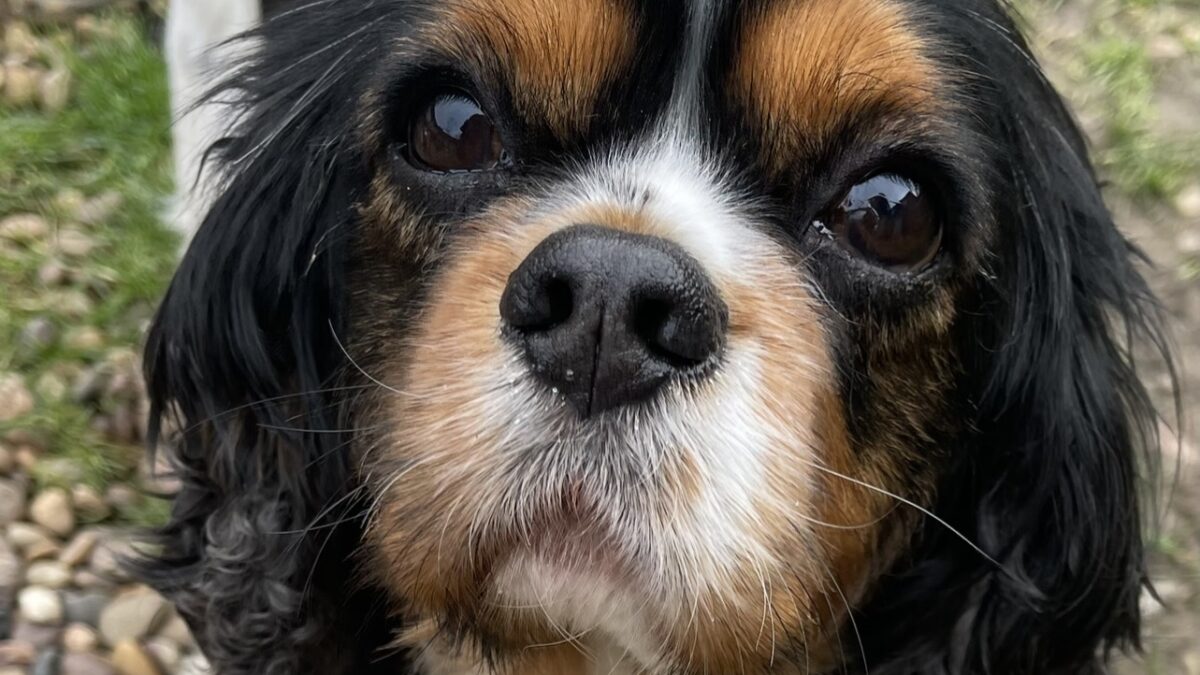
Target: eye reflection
<point x="887" y="220"/>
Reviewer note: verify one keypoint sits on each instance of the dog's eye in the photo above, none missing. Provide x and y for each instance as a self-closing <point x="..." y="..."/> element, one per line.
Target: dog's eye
<point x="453" y="133"/>
<point x="888" y="220"/>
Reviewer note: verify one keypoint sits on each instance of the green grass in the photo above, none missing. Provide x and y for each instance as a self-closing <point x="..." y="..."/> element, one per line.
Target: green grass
<point x="1141" y="163"/>
<point x="113" y="136"/>
<point x="1113" y="74"/>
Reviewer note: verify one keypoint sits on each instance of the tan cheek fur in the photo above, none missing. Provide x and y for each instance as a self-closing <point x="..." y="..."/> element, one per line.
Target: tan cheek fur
<point x="806" y="67"/>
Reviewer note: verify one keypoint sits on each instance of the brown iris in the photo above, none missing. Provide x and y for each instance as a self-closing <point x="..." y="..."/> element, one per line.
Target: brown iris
<point x="453" y="133"/>
<point x="888" y="220"/>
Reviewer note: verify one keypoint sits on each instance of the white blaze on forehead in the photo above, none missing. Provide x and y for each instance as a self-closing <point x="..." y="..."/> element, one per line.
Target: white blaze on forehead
<point x="689" y="84"/>
<point x="684" y="196"/>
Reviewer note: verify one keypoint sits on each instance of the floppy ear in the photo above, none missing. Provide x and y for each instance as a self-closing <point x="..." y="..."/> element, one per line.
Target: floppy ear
<point x="1048" y="481"/>
<point x="243" y="354"/>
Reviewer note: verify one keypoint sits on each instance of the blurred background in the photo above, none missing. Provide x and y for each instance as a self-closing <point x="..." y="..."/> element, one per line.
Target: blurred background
<point x="85" y="178"/>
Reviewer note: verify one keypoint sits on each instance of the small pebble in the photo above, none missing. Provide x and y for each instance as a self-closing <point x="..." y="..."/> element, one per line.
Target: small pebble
<point x="19" y="39"/>
<point x="38" y="635"/>
<point x="40" y="605"/>
<point x="10" y="571"/>
<point x="53" y="273"/>
<point x="16" y="654"/>
<point x="194" y="664"/>
<point x="85" y="339"/>
<point x="100" y="208"/>
<point x="1165" y="47"/>
<point x="120" y="496"/>
<point x="78" y="637"/>
<point x="21" y="437"/>
<point x="38" y="334"/>
<point x="23" y="535"/>
<point x="46" y="663"/>
<point x="165" y="652"/>
<point x="132" y="615"/>
<point x="50" y="387"/>
<point x="88" y="579"/>
<point x="15" y="398"/>
<point x="130" y="659"/>
<point x="84" y="607"/>
<point x="106" y="558"/>
<point x="12" y="500"/>
<point x="74" y="304"/>
<point x="48" y="573"/>
<point x="1187" y="202"/>
<point x="20" y="84"/>
<point x="24" y="228"/>
<point x="176" y="630"/>
<point x="90" y="506"/>
<point x="85" y="664"/>
<point x="27" y="457"/>
<point x="73" y="243"/>
<point x="68" y="202"/>
<point x="1191" y="663"/>
<point x="54" y="90"/>
<point x="91" y="383"/>
<point x="41" y="550"/>
<point x="52" y="509"/>
<point x="79" y="549"/>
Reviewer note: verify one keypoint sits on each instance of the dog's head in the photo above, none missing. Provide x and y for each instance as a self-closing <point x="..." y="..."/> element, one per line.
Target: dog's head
<point x="691" y="336"/>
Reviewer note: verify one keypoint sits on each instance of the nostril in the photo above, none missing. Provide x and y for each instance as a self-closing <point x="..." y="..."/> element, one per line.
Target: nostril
<point x="537" y="305"/>
<point x="682" y="339"/>
<point x="560" y="303"/>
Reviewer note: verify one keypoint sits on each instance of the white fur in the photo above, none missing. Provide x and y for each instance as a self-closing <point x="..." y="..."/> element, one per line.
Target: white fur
<point x="194" y="31"/>
<point x="602" y="620"/>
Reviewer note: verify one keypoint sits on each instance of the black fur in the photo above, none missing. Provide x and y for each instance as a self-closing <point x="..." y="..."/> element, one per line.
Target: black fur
<point x="242" y="358"/>
<point x="1049" y="481"/>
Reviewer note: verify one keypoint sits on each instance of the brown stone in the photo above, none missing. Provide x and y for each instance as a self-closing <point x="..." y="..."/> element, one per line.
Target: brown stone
<point x="130" y="659"/>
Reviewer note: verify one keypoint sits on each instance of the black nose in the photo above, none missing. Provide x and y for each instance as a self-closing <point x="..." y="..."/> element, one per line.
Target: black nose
<point x="607" y="317"/>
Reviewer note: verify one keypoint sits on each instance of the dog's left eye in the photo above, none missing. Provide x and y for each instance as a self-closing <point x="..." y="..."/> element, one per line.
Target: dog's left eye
<point x="888" y="220"/>
<point x="452" y="133"/>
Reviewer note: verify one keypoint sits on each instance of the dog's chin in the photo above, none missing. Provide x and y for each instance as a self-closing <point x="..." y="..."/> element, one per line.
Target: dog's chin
<point x="564" y="582"/>
<point x="579" y="593"/>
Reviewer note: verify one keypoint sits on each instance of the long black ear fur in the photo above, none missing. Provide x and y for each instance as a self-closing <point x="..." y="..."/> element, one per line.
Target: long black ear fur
<point x="1048" y="483"/>
<point x="243" y="360"/>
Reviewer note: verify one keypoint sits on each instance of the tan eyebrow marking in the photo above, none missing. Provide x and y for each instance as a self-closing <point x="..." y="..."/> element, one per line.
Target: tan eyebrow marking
<point x="557" y="55"/>
<point x="805" y="67"/>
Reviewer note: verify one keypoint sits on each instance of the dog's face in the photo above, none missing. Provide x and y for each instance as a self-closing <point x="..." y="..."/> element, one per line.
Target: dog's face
<point x="614" y="269"/>
<point x="678" y="337"/>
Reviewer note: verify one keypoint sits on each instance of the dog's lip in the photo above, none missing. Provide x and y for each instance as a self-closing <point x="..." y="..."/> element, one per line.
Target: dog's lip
<point x="571" y="530"/>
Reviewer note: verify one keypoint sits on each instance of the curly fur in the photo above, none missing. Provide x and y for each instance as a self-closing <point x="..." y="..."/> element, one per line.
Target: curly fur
<point x="262" y="537"/>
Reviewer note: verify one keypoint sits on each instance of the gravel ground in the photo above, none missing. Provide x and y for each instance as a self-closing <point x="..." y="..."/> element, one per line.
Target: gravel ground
<point x="1132" y="71"/>
<point x="72" y="405"/>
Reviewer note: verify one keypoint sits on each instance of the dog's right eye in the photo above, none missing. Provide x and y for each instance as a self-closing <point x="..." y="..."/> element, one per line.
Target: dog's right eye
<point x="452" y="133"/>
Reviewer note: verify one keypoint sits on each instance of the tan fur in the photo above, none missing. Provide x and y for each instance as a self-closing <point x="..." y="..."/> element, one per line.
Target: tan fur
<point x="557" y="56"/>
<point x="804" y="68"/>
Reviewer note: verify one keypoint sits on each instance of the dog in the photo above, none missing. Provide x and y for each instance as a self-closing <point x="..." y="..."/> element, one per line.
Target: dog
<point x="615" y="336"/>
